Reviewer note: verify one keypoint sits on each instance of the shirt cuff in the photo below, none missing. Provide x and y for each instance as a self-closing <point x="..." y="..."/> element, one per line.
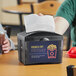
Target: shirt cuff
<point x="12" y="45"/>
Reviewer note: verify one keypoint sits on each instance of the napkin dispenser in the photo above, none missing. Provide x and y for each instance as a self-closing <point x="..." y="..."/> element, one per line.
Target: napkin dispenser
<point x="39" y="47"/>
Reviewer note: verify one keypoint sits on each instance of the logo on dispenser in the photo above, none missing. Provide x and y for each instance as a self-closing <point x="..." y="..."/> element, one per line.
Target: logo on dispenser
<point x="51" y="51"/>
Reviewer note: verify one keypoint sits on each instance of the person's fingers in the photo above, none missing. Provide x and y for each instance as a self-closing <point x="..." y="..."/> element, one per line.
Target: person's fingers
<point x="40" y="14"/>
<point x="6" y="45"/>
<point x="6" y="51"/>
<point x="6" y="41"/>
<point x="5" y="48"/>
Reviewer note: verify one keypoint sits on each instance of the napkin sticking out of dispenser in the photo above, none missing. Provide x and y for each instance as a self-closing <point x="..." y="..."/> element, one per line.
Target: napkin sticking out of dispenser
<point x="34" y="22"/>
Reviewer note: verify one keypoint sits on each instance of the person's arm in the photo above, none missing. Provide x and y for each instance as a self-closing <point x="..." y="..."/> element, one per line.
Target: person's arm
<point x="64" y="16"/>
<point x="61" y="25"/>
<point x="7" y="44"/>
<point x="11" y="42"/>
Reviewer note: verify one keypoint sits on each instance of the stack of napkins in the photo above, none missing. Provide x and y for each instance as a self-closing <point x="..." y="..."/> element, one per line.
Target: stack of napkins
<point x="35" y="22"/>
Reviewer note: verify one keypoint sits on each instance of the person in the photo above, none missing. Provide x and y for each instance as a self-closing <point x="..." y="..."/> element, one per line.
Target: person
<point x="65" y="17"/>
<point x="7" y="44"/>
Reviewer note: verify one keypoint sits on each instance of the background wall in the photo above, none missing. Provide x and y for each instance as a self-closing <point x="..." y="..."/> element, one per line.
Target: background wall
<point x="7" y="18"/>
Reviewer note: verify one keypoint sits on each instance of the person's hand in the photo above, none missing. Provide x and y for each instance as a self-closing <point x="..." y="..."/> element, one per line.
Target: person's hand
<point x="40" y="14"/>
<point x="6" y="46"/>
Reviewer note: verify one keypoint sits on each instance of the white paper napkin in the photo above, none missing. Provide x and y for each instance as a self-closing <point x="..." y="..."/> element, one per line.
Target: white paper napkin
<point x="35" y="22"/>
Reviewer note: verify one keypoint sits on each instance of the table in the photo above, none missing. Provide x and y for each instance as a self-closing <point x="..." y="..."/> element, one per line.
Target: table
<point x="19" y="9"/>
<point x="10" y="66"/>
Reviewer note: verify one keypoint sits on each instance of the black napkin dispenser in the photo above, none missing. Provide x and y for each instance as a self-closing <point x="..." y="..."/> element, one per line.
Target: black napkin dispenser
<point x="39" y="47"/>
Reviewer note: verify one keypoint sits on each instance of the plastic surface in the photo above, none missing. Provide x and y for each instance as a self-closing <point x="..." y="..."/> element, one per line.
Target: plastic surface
<point x="72" y="52"/>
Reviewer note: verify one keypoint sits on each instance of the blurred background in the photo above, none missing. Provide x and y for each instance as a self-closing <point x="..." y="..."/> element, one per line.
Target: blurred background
<point x="13" y="20"/>
<point x="8" y="18"/>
